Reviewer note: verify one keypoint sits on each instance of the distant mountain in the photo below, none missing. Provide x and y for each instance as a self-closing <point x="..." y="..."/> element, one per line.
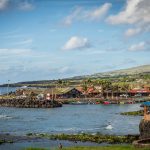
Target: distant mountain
<point x="122" y="72"/>
<point x="145" y="69"/>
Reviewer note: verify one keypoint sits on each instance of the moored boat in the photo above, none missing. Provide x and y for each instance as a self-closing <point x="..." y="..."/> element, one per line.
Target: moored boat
<point x="79" y="103"/>
<point x="106" y="102"/>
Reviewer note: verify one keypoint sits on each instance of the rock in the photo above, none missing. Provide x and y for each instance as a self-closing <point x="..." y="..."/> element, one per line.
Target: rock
<point x="144" y="128"/>
<point x="25" y="103"/>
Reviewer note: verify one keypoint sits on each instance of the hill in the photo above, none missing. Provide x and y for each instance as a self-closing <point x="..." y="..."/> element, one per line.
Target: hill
<point x="135" y="72"/>
<point x="123" y="72"/>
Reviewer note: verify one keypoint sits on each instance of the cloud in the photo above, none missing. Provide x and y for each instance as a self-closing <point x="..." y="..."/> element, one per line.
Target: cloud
<point x="14" y="52"/>
<point x="73" y="16"/>
<point x="80" y="14"/>
<point x="26" y="6"/>
<point x="99" y="12"/>
<point x="137" y="47"/>
<point x="135" y="13"/>
<point x="3" y="4"/>
<point x="23" y="5"/>
<point x="64" y="69"/>
<point x="76" y="43"/>
<point x="132" y="31"/>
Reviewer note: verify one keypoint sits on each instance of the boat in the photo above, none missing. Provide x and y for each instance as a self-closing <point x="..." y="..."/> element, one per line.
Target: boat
<point x="122" y="103"/>
<point x="106" y="102"/>
<point x="24" y="87"/>
<point x="79" y="103"/>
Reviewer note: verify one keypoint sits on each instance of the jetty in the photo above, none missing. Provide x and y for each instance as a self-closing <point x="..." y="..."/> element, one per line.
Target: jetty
<point x="27" y="103"/>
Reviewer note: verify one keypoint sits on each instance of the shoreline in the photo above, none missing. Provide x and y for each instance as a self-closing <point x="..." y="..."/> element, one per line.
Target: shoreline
<point x="84" y="137"/>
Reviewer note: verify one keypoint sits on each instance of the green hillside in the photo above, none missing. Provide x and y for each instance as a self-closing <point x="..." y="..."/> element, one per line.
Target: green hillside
<point x="134" y="73"/>
<point x="130" y="71"/>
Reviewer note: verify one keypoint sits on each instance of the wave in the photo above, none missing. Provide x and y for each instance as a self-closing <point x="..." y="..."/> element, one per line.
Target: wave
<point x="5" y="117"/>
<point x="75" y="129"/>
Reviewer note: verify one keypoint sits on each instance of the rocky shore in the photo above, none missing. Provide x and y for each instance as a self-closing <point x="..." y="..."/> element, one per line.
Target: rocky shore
<point x="84" y="137"/>
<point x="26" y="103"/>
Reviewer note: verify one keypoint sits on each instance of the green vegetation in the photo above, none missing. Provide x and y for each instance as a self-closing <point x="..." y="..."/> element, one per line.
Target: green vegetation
<point x="129" y="147"/>
<point x="31" y="148"/>
<point x="115" y="147"/>
<point x="97" y="138"/>
<point x="132" y="76"/>
<point x="5" y="141"/>
<point x="134" y="113"/>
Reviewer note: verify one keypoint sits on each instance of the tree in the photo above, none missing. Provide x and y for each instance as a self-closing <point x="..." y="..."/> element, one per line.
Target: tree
<point x="105" y="85"/>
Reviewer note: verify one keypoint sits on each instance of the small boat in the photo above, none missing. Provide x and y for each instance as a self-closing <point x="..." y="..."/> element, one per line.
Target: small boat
<point x="79" y="103"/>
<point x="24" y="87"/>
<point x="106" y="102"/>
<point x="122" y="103"/>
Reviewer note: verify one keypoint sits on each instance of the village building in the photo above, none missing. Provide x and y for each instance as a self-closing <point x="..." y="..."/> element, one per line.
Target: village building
<point x="64" y="93"/>
<point x="140" y="92"/>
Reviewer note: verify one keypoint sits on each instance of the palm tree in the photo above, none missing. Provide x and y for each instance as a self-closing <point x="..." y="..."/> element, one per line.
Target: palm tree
<point x="114" y="88"/>
<point x="105" y="85"/>
<point x="124" y="87"/>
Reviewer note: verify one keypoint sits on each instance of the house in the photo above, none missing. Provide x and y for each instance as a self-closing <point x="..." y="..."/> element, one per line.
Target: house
<point x="64" y="93"/>
<point x="90" y="92"/>
<point x="139" y="91"/>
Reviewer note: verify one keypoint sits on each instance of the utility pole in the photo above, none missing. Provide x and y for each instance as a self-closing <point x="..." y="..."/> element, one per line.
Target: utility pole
<point x="7" y="87"/>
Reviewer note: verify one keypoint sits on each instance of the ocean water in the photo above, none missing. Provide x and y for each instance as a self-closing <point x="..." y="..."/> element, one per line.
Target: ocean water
<point x="70" y="119"/>
<point x="4" y="90"/>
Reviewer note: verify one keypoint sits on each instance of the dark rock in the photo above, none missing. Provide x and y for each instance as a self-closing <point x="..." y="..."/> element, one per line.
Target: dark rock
<point x="25" y="103"/>
<point x="144" y="128"/>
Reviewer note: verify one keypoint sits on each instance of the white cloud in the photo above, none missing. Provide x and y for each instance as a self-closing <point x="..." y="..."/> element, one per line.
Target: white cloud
<point x="3" y="4"/>
<point x="76" y="43"/>
<point x="137" y="47"/>
<point x="99" y="12"/>
<point x="26" y="6"/>
<point x="80" y="14"/>
<point x="14" y="52"/>
<point x="64" y="69"/>
<point x="136" y="13"/>
<point x="73" y="16"/>
<point x="22" y="5"/>
<point x="132" y="31"/>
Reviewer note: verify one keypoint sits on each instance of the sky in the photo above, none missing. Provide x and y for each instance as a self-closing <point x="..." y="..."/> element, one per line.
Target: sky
<point x="52" y="39"/>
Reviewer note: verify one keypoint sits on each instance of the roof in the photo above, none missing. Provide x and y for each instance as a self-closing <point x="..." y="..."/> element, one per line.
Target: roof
<point x="59" y="90"/>
<point x="29" y="90"/>
<point x="139" y="91"/>
<point x="89" y="90"/>
<point x="146" y="104"/>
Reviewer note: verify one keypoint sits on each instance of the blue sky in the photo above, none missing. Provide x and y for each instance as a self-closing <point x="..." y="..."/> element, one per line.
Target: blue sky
<point x="51" y="39"/>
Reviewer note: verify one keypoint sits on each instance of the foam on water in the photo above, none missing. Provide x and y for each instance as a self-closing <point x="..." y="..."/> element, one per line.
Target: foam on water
<point x="5" y="117"/>
<point x="109" y="127"/>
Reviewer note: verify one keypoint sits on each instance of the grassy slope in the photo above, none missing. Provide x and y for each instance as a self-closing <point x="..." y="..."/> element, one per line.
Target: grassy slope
<point x="128" y="147"/>
<point x="129" y="71"/>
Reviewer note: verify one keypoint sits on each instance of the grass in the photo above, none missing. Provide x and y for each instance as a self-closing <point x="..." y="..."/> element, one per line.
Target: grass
<point x="134" y="113"/>
<point x="4" y="141"/>
<point x="84" y="137"/>
<point x="115" y="147"/>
